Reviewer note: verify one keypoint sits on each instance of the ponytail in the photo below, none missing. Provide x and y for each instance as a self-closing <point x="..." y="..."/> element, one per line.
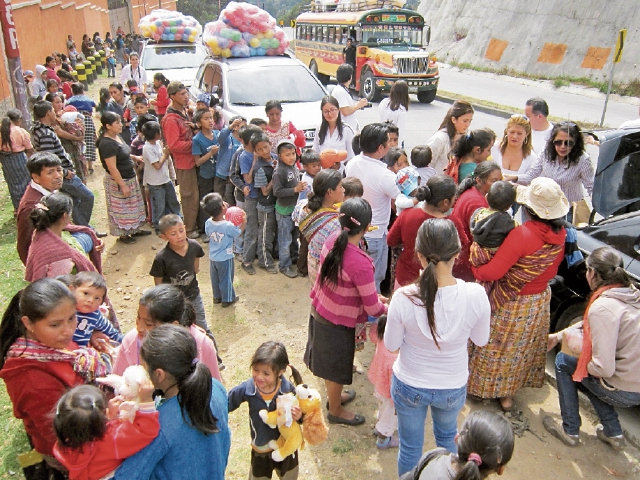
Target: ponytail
<point x="355" y="217"/>
<point x="49" y="210"/>
<point x="482" y="172"/>
<point x="5" y="133"/>
<point x="173" y="349"/>
<point x="324" y="181"/>
<point x="11" y="327"/>
<point x="438" y="188"/>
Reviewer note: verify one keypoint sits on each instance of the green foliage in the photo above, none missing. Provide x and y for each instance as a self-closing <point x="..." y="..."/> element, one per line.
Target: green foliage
<point x="342" y="446"/>
<point x="202" y="10"/>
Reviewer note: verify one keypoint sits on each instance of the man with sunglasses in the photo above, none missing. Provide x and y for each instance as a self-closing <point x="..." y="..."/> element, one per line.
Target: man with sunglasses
<point x="537" y="111"/>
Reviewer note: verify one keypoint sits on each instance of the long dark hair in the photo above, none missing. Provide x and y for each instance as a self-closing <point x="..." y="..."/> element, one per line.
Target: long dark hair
<point x="324" y="126"/>
<point x="487" y="435"/>
<point x="399" y="96"/>
<point x="35" y="302"/>
<point x="173" y="349"/>
<point x="437" y="241"/>
<point x="575" y="134"/>
<point x="324" y="181"/>
<point x="355" y="217"/>
<point x="482" y="171"/>
<point x="482" y="138"/>
<point x="107" y="118"/>
<point x="608" y="266"/>
<point x="12" y="115"/>
<point x="458" y="109"/>
<point x="275" y="355"/>
<point x="438" y="188"/>
<point x="50" y="209"/>
<point x="167" y="304"/>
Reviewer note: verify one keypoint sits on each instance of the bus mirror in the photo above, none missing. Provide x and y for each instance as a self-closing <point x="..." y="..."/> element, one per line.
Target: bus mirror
<point x="426" y="35"/>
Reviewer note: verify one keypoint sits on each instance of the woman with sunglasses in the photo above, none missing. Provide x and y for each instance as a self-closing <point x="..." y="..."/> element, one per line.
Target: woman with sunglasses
<point x="564" y="160"/>
<point x="333" y="132"/>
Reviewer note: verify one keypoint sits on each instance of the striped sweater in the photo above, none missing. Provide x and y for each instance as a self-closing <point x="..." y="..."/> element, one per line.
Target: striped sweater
<point x="354" y="297"/>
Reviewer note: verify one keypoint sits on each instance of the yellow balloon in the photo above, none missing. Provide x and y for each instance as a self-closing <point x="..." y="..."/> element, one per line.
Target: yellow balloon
<point x="153" y="27"/>
<point x="192" y="38"/>
<point x="216" y="51"/>
<point x="268" y="34"/>
<point x="213" y="42"/>
<point x="254" y="42"/>
<point x="226" y="53"/>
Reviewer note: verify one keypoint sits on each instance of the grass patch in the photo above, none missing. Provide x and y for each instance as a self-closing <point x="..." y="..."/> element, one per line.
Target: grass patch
<point x="342" y="446"/>
<point x="14" y="440"/>
<point x="630" y="89"/>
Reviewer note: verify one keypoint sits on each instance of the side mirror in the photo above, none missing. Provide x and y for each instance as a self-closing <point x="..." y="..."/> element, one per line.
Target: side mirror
<point x="426" y="36"/>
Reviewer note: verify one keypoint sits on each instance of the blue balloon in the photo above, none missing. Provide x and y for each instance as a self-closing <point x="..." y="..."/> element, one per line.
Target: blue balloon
<point x="165" y="37"/>
<point x="261" y="51"/>
<point x="172" y="37"/>
<point x="246" y="36"/>
<point x="253" y="51"/>
<point x="222" y="42"/>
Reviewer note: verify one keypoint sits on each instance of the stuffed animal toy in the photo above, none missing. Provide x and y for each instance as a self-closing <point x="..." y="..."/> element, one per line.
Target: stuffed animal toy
<point x="128" y="386"/>
<point x="314" y="428"/>
<point x="290" y="432"/>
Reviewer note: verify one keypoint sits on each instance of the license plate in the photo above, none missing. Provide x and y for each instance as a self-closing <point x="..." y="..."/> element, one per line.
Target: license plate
<point x="413" y="89"/>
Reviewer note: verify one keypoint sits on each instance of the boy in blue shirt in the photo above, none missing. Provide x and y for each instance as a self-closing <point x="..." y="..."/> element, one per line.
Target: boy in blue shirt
<point x="221" y="233"/>
<point x="246" y="161"/>
<point x="229" y="141"/>
<point x="204" y="149"/>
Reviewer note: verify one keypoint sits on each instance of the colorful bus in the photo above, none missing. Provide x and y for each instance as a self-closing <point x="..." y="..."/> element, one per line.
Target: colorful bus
<point x="390" y="47"/>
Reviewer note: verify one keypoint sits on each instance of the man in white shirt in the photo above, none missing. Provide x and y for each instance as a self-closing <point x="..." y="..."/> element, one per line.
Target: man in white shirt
<point x="348" y="107"/>
<point x="537" y="111"/>
<point x="632" y="123"/>
<point x="380" y="190"/>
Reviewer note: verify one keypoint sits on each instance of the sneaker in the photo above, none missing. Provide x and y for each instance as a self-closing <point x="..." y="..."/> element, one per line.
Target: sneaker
<point x="205" y="238"/>
<point x="272" y="269"/>
<point x="141" y="233"/>
<point x="193" y="235"/>
<point x="289" y="272"/>
<point x="227" y="304"/>
<point x="217" y="301"/>
<point x="557" y="431"/>
<point x="248" y="268"/>
<point x="617" y="443"/>
<point x="390" y="442"/>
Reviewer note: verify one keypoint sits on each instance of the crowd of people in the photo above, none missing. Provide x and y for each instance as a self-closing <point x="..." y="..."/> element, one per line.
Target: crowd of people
<point x="420" y="251"/>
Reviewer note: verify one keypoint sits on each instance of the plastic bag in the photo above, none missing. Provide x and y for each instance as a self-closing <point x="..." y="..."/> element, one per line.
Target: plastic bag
<point x="165" y="25"/>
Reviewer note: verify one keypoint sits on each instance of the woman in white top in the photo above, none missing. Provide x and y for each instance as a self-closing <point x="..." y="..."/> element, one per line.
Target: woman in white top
<point x="333" y="132"/>
<point x="515" y="153"/>
<point x="395" y="108"/>
<point x="455" y="124"/>
<point x="430" y="323"/>
<point x="134" y="71"/>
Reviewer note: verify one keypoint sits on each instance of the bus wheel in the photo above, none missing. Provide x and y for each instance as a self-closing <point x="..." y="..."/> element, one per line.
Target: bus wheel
<point x="427" y="97"/>
<point x="368" y="87"/>
<point x="313" y="66"/>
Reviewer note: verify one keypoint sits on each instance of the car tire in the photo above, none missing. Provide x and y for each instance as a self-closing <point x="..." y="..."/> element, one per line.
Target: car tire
<point x="570" y="316"/>
<point x="313" y="66"/>
<point x="427" y="97"/>
<point x="368" y="87"/>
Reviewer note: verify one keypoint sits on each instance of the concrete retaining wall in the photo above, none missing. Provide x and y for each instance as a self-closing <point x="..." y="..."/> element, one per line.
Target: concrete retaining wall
<point x="549" y="37"/>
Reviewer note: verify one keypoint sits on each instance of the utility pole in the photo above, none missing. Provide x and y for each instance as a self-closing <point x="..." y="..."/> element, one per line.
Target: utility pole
<point x="12" y="51"/>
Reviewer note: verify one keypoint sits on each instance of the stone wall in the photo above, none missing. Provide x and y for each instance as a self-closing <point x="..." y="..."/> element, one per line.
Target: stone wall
<point x="549" y="37"/>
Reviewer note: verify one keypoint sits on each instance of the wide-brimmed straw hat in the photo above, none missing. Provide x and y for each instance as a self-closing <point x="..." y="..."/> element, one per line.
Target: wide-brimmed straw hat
<point x="544" y="196"/>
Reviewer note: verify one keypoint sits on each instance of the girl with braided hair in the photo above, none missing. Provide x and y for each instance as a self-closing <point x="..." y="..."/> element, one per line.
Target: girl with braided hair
<point x="430" y="322"/>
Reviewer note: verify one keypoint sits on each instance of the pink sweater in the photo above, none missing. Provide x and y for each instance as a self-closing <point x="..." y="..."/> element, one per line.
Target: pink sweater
<point x="129" y="353"/>
<point x="381" y="368"/>
<point x="355" y="296"/>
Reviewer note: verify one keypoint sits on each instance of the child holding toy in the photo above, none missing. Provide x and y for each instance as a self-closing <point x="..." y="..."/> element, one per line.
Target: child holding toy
<point x="92" y="440"/>
<point x="267" y="382"/>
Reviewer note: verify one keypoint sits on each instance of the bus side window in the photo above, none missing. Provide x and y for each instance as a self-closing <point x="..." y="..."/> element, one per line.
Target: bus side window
<point x="312" y="34"/>
<point x="325" y="34"/>
<point x="332" y="34"/>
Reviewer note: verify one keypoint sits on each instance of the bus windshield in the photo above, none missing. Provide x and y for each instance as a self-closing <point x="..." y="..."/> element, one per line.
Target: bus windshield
<point x="391" y="35"/>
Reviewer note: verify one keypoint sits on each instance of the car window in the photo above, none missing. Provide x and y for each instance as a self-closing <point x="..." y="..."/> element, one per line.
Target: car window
<point x="290" y="84"/>
<point x="164" y="58"/>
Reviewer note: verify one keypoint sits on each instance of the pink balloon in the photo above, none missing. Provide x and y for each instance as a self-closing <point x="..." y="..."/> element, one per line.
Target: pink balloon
<point x="177" y="37"/>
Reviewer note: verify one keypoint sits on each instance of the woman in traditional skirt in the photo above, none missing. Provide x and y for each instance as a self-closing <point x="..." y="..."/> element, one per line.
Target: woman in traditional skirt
<point x="515" y="355"/>
<point x="125" y="207"/>
<point x="16" y="145"/>
<point x="341" y="298"/>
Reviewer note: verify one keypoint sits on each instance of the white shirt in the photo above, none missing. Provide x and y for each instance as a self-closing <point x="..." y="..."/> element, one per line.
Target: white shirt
<point x="152" y="154"/>
<point x="139" y="75"/>
<point x="526" y="164"/>
<point x="333" y="140"/>
<point x="379" y="189"/>
<point x="440" y="145"/>
<point x="462" y="311"/>
<point x="539" y="139"/>
<point x="397" y="117"/>
<point x="631" y="124"/>
<point x="345" y="99"/>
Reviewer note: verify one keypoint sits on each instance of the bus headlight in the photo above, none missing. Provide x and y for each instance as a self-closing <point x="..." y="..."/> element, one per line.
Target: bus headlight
<point x="386" y="70"/>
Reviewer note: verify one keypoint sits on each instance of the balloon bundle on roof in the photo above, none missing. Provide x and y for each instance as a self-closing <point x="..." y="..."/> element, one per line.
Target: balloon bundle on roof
<point x="169" y="26"/>
<point x="244" y="30"/>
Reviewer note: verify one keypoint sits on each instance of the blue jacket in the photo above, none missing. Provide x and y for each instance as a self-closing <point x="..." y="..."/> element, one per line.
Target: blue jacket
<point x="228" y="146"/>
<point x="261" y="433"/>
<point x="181" y="451"/>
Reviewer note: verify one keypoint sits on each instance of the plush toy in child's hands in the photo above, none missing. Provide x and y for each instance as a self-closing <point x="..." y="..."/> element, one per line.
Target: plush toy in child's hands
<point x="290" y="432"/>
<point x="314" y="428"/>
<point x="129" y="388"/>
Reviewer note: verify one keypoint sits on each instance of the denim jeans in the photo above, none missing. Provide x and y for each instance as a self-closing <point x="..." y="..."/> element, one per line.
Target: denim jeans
<point x="266" y="235"/>
<point x="250" y="231"/>
<point x="201" y="321"/>
<point x="602" y="399"/>
<point x="411" y="407"/>
<point x="287" y="240"/>
<point x="221" y="274"/>
<point x="238" y="242"/>
<point x="163" y="199"/>
<point x="84" y="239"/>
<point x="378" y="250"/>
<point x="82" y="200"/>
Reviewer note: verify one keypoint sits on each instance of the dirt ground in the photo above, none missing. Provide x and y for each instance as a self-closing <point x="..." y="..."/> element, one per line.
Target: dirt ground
<point x="274" y="307"/>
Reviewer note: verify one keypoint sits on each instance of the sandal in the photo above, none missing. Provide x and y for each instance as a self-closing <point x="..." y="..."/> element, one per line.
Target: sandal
<point x="127" y="239"/>
<point x="356" y="420"/>
<point x="351" y="394"/>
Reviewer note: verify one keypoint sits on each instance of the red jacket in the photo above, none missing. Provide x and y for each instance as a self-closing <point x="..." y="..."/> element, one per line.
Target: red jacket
<point x="162" y="101"/>
<point x="100" y="457"/>
<point x="179" y="138"/>
<point x="25" y="228"/>
<point x="34" y="388"/>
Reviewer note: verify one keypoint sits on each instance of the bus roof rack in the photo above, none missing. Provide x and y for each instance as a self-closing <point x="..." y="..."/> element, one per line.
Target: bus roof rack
<point x="352" y="5"/>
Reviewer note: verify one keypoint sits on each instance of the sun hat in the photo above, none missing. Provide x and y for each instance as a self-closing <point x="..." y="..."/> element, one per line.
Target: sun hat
<point x="174" y="87"/>
<point x="330" y="156"/>
<point x="544" y="196"/>
<point x="407" y="180"/>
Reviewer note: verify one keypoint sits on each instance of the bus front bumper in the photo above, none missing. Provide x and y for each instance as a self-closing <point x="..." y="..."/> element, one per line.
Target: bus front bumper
<point x="415" y="84"/>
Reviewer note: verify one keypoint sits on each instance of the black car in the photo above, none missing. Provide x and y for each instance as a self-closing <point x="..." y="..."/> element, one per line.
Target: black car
<point x="616" y="202"/>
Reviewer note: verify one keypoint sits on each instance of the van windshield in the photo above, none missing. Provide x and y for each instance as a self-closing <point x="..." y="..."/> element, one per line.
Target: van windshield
<point x="179" y="56"/>
<point x="290" y="84"/>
